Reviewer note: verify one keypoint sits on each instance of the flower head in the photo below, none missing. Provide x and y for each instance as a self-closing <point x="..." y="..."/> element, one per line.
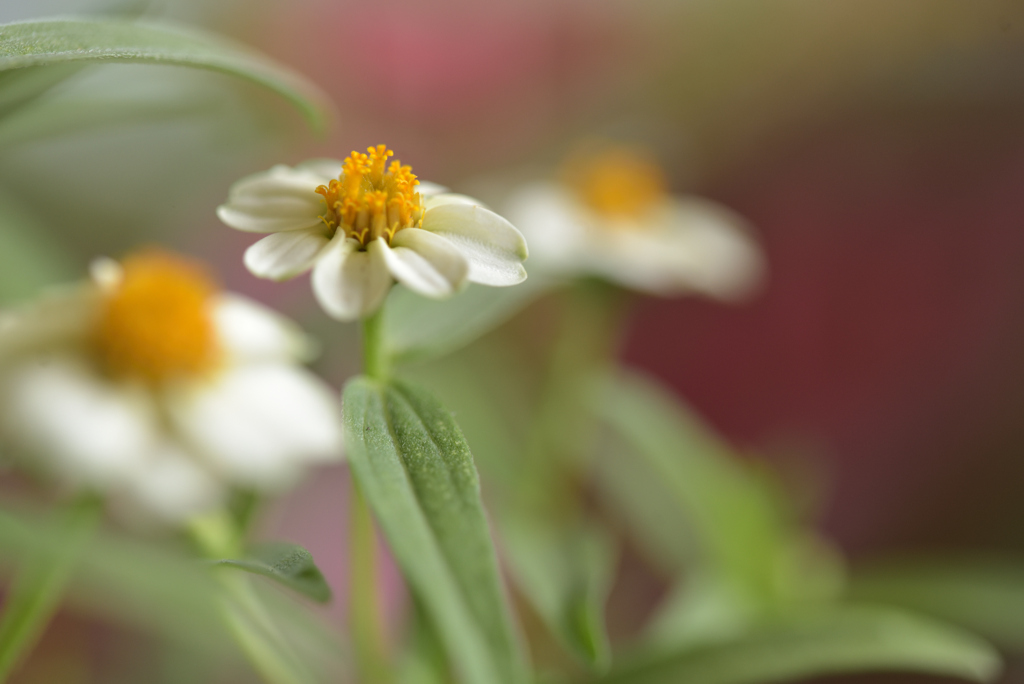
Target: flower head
<point x="151" y="385"/>
<point x="363" y="223"/>
<point x="611" y="216"/>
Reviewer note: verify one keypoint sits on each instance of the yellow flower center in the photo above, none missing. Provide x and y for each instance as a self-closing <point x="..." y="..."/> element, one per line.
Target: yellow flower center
<point x="617" y="181"/>
<point x="155" y="323"/>
<point x="367" y="201"/>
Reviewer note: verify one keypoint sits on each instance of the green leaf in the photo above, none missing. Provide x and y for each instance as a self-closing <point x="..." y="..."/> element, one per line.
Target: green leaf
<point x="703" y="493"/>
<point x="985" y="595"/>
<point x="29" y="260"/>
<point x="416" y="328"/>
<point x="565" y="572"/>
<point x="415" y="470"/>
<point x="39" y="586"/>
<point x="63" y="41"/>
<point x="140" y="584"/>
<point x="423" y="659"/>
<point x="163" y="591"/>
<point x="287" y="564"/>
<point x="20" y="87"/>
<point x="69" y="116"/>
<point x="836" y="641"/>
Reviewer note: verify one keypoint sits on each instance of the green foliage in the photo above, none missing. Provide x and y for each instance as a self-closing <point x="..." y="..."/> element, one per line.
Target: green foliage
<point x="415" y="470"/>
<point x="78" y="41"/>
<point x="566" y="572"/>
<point x="28" y="261"/>
<point x="139" y="584"/>
<point x="21" y="87"/>
<point x="416" y="328"/>
<point x="985" y="595"/>
<point x="702" y="493"/>
<point x="40" y="583"/>
<point x="287" y="564"/>
<point x="803" y="644"/>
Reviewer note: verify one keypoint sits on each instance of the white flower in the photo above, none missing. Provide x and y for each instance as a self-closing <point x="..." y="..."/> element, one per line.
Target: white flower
<point x="611" y="217"/>
<point x="149" y="385"/>
<point x="361" y="226"/>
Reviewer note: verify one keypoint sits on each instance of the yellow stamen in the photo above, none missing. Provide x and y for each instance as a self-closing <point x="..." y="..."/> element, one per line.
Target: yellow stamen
<point x="371" y="199"/>
<point x="155" y="324"/>
<point x="618" y="181"/>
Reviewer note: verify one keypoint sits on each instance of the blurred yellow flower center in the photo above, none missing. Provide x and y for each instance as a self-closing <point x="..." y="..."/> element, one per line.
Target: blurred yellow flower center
<point x="155" y="323"/>
<point x="371" y="199"/>
<point x="618" y="181"/>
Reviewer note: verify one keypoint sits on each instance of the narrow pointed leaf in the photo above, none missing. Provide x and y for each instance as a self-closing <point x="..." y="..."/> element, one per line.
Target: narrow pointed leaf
<point x="985" y="595"/>
<point x="837" y="641"/>
<point x="415" y="470"/>
<point x="287" y="564"/>
<point x="565" y="572"/>
<point x="64" y="41"/>
<point x="734" y="520"/>
<point x="39" y="586"/>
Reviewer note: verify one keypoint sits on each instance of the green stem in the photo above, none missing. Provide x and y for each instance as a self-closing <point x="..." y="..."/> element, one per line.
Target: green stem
<point x="375" y="359"/>
<point x="584" y="347"/>
<point x="242" y="610"/>
<point x="364" y="605"/>
<point x="36" y="591"/>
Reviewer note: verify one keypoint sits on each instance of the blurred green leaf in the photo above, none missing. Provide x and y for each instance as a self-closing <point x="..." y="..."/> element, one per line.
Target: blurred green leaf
<point x="983" y="595"/>
<point x="833" y="641"/>
<point x="565" y="572"/>
<point x="21" y="87"/>
<point x="288" y="564"/>
<point x="737" y="522"/>
<point x="415" y="470"/>
<point x="424" y="660"/>
<point x="72" y="115"/>
<point x="39" y="585"/>
<point x="138" y="583"/>
<point x="29" y="261"/>
<point x="57" y="41"/>
<point x="416" y="328"/>
<point x="700" y="609"/>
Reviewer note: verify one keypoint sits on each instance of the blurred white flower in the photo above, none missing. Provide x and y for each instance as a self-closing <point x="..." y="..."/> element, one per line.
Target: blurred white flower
<point x="149" y="385"/>
<point x="610" y="216"/>
<point x="361" y="224"/>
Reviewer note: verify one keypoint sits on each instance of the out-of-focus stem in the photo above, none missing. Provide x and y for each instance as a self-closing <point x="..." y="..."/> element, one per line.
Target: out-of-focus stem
<point x="375" y="360"/>
<point x="243" y="612"/>
<point x="364" y="604"/>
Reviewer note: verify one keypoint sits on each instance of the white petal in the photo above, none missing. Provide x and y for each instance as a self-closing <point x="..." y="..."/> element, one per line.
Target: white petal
<point x="281" y="256"/>
<point x="92" y="431"/>
<point x="425" y="263"/>
<point x="325" y="169"/>
<point x="171" y="487"/>
<point x="106" y="273"/>
<point x="556" y="225"/>
<point x="494" y="248"/>
<point x="689" y="245"/>
<point x="270" y="201"/>
<point x="258" y="424"/>
<point x="428" y="189"/>
<point x="451" y="198"/>
<point x="350" y="283"/>
<point x="721" y="253"/>
<point x="62" y="316"/>
<point x="249" y="331"/>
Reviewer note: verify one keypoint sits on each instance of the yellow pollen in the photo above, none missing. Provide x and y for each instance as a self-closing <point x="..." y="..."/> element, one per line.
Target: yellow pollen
<point x="618" y="181"/>
<point x="155" y="324"/>
<point x="372" y="199"/>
